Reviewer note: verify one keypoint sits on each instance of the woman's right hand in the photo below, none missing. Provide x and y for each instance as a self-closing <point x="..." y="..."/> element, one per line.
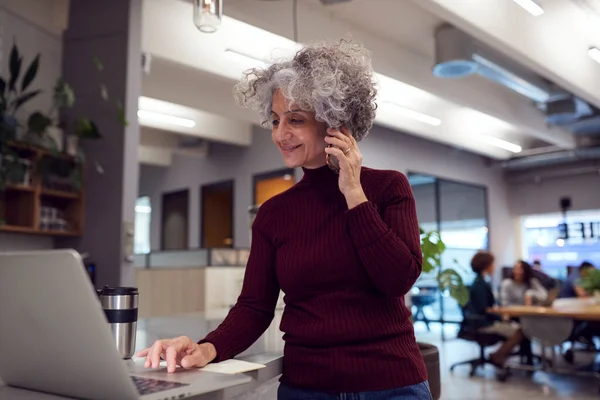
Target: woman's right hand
<point x="181" y="351"/>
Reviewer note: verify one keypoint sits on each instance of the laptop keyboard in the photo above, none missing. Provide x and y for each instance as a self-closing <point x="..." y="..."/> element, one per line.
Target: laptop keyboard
<point x="149" y="385"/>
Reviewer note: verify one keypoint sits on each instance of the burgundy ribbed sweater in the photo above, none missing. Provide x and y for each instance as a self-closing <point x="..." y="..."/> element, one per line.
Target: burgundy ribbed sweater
<point x="344" y="274"/>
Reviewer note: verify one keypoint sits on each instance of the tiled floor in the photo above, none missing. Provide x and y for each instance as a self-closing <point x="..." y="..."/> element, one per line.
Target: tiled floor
<point x="520" y="385"/>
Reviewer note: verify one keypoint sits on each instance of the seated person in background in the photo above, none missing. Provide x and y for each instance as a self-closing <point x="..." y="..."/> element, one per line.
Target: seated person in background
<point x="481" y="298"/>
<point x="546" y="280"/>
<point x="572" y="286"/>
<point x="583" y="331"/>
<point x="522" y="288"/>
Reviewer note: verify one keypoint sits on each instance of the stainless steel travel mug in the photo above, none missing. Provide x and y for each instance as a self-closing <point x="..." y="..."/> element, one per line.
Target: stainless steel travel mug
<point x="120" y="306"/>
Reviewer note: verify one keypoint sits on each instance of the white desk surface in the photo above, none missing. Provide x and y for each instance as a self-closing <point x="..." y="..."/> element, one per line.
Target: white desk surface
<point x="268" y="350"/>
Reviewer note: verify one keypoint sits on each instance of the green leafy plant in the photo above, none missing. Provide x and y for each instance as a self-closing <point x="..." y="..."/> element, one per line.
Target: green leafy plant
<point x="590" y="280"/>
<point x="448" y="279"/>
<point x="15" y="92"/>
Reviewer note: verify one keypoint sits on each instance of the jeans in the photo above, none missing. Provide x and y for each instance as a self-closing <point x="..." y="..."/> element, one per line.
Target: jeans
<point x="420" y="391"/>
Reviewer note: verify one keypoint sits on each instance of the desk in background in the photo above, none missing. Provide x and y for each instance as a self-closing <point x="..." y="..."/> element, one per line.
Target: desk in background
<point x="552" y="326"/>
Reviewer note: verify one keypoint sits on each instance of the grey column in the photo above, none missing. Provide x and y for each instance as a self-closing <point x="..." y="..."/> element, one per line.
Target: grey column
<point x="109" y="30"/>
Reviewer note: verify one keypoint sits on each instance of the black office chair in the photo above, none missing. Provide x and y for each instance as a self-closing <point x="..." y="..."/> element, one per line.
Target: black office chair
<point x="584" y="334"/>
<point x="420" y="301"/>
<point x="469" y="331"/>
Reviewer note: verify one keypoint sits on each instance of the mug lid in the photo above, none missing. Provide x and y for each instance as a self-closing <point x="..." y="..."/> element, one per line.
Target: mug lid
<point x="118" y="291"/>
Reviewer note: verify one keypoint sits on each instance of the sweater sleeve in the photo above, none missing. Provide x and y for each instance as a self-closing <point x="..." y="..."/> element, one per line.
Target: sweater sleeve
<point x="537" y="291"/>
<point x="255" y="307"/>
<point x="506" y="294"/>
<point x="388" y="240"/>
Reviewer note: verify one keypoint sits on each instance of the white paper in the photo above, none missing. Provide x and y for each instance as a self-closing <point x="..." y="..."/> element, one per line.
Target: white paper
<point x="231" y="366"/>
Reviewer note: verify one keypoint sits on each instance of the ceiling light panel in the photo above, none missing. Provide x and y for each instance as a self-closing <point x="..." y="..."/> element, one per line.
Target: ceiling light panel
<point x="531" y="7"/>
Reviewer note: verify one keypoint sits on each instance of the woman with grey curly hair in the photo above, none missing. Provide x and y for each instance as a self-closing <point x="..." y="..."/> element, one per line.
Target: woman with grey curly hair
<point x="343" y="244"/>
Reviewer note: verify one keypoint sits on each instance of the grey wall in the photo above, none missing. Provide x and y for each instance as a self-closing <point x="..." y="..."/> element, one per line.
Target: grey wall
<point x="383" y="148"/>
<point x="224" y="162"/>
<point x="531" y="197"/>
<point x="31" y="38"/>
<point x="111" y="31"/>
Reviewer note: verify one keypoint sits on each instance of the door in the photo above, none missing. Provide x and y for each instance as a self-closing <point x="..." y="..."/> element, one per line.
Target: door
<point x="216" y="223"/>
<point x="272" y="183"/>
<point x="175" y="217"/>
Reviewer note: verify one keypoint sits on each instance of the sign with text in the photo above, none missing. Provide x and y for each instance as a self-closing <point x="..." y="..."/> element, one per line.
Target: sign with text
<point x="579" y="230"/>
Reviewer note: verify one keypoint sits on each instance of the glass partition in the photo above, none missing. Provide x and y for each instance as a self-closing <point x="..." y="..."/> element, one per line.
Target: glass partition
<point x="459" y="212"/>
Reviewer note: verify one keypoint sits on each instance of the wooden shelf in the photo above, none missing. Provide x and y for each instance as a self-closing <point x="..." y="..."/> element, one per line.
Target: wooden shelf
<point x="39" y="151"/>
<point x="26" y="208"/>
<point x="16" y="229"/>
<point x="20" y="188"/>
<point x="61" y="194"/>
<point x="33" y="231"/>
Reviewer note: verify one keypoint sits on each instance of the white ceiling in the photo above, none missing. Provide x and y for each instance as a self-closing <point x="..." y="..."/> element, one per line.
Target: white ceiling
<point x="553" y="45"/>
<point x="190" y="68"/>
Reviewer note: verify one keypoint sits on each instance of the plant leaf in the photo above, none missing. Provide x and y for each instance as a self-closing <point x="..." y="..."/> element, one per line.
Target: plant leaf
<point x="87" y="129"/>
<point x="24" y="98"/>
<point x="98" y="64"/>
<point x="31" y="73"/>
<point x="38" y="123"/>
<point x="15" y="62"/>
<point x="103" y="92"/>
<point x="99" y="167"/>
<point x="450" y="280"/>
<point x="122" y="118"/>
<point x="432" y="247"/>
<point x="64" y="96"/>
<point x="590" y="280"/>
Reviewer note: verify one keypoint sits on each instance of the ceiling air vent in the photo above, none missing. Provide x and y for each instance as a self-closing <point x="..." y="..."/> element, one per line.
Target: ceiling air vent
<point x="459" y="55"/>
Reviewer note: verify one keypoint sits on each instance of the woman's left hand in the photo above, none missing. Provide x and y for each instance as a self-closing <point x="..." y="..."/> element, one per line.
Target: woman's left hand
<point x="350" y="160"/>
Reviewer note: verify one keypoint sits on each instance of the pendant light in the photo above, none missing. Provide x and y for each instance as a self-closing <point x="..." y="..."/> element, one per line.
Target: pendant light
<point x="207" y="15"/>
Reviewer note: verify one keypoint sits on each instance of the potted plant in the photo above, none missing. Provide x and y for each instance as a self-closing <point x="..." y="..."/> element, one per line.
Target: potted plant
<point x="590" y="281"/>
<point x="15" y="92"/>
<point x="55" y="131"/>
<point x="449" y="280"/>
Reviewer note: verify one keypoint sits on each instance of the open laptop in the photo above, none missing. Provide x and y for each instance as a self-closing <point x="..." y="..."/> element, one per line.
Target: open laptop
<point x="54" y="337"/>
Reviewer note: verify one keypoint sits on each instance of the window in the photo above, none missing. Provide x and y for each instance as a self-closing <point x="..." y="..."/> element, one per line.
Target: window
<point x="143" y="212"/>
<point x="459" y="212"/>
<point x="556" y="248"/>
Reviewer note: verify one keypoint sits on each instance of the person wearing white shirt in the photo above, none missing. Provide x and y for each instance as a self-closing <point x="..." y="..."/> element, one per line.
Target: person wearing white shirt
<point x="522" y="288"/>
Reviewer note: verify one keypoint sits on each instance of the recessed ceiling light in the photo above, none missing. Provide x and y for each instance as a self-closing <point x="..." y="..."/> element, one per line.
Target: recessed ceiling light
<point x="165" y="118"/>
<point x="594" y="54"/>
<point x="502" y="144"/>
<point x="415" y="115"/>
<point x="531" y="7"/>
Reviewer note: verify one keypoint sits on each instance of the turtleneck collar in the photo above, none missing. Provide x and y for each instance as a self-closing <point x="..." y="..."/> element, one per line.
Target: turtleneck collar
<point x="321" y="175"/>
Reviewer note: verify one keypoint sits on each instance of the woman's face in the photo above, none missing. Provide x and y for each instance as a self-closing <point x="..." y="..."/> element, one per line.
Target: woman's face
<point x="518" y="272"/>
<point x="297" y="134"/>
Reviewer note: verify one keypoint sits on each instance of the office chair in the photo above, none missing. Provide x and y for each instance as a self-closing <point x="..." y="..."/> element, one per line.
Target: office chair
<point x="469" y="332"/>
<point x="584" y="333"/>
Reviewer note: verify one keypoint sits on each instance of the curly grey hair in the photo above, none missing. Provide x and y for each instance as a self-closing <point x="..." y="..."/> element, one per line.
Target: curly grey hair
<point x="335" y="81"/>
